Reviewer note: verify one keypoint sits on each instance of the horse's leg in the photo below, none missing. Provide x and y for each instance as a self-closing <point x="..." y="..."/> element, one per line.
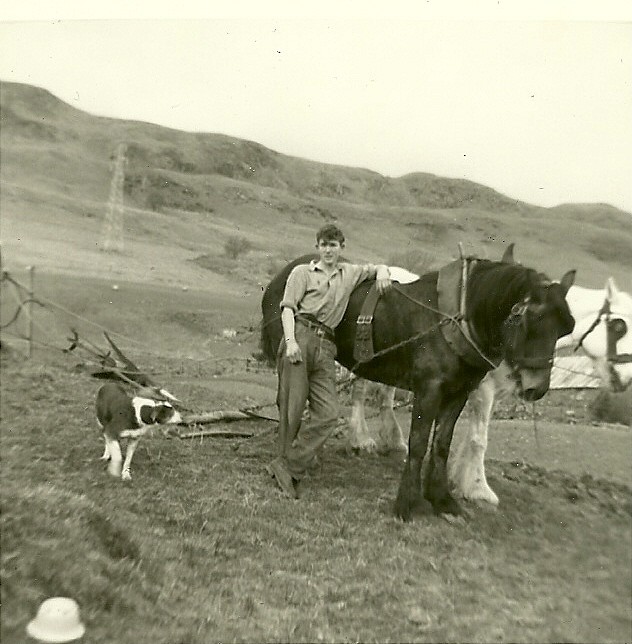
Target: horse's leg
<point x="466" y="466"/>
<point x="425" y="406"/>
<point x="436" y="488"/>
<point x="390" y="437"/>
<point x="359" y="438"/>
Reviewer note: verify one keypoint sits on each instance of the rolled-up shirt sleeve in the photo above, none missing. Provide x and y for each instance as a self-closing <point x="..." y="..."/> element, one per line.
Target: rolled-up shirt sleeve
<point x="294" y="289"/>
<point x="363" y="272"/>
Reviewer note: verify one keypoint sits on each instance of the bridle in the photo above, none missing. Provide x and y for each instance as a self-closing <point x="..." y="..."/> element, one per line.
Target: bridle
<point x="616" y="328"/>
<point x="516" y="324"/>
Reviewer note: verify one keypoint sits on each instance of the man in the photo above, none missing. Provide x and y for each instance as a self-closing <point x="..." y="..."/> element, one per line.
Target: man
<point x="316" y="296"/>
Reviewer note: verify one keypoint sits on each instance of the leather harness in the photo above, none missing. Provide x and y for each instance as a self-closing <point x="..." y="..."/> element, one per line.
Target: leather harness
<point x="452" y="294"/>
<point x="363" y="347"/>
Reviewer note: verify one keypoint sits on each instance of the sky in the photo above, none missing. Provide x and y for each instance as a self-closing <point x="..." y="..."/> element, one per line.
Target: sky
<point x="537" y="105"/>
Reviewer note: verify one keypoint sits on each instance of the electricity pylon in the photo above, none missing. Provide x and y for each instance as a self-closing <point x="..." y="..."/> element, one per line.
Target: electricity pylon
<point x="113" y="225"/>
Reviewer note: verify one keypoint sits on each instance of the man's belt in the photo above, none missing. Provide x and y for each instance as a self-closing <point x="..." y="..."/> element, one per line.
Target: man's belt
<point x="312" y="323"/>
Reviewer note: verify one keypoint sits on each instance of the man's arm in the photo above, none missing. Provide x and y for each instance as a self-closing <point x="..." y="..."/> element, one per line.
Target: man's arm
<point x="294" y="292"/>
<point x="380" y="272"/>
<point x="292" y="350"/>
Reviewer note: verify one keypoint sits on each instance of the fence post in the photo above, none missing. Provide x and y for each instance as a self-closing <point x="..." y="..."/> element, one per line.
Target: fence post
<point x="31" y="270"/>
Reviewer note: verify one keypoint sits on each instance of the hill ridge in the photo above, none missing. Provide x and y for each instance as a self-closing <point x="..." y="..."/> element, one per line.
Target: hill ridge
<point x="25" y="108"/>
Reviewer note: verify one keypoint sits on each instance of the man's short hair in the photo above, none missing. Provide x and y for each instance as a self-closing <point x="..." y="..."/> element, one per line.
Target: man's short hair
<point x="330" y="232"/>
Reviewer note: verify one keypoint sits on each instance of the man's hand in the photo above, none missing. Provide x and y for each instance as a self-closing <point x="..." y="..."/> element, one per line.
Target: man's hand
<point x="383" y="285"/>
<point x="293" y="351"/>
<point x="383" y="280"/>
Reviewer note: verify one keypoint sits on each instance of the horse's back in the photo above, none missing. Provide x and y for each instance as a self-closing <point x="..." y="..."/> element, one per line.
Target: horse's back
<point x="400" y="314"/>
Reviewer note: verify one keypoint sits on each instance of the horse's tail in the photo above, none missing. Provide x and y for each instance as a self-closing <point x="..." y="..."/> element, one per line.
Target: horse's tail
<point x="267" y="342"/>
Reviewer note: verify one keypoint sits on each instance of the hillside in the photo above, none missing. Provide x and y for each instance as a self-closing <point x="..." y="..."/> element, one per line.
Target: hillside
<point x="187" y="193"/>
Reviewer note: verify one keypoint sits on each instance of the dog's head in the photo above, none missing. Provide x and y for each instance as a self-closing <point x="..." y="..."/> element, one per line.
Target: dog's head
<point x="163" y="413"/>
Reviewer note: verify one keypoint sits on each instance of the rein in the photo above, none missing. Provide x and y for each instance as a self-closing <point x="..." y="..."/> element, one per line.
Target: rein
<point x="456" y="319"/>
<point x="604" y="310"/>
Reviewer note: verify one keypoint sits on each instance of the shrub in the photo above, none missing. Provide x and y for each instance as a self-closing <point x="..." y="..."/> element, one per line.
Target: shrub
<point x="274" y="266"/>
<point x="612" y="408"/>
<point x="237" y="245"/>
<point x="155" y="200"/>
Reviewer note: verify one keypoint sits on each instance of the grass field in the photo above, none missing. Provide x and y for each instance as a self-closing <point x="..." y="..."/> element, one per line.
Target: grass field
<point x="200" y="546"/>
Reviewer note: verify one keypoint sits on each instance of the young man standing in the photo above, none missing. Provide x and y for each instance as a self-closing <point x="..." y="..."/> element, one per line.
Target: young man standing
<point x="315" y="299"/>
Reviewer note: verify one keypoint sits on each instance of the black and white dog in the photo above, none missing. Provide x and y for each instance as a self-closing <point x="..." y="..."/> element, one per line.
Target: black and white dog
<point x="121" y="416"/>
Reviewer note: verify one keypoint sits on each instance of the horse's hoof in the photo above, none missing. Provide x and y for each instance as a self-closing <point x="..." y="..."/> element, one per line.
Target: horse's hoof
<point x="479" y="494"/>
<point x="397" y="450"/>
<point x="421" y="507"/>
<point x="367" y="447"/>
<point x="447" y="505"/>
<point x="452" y="520"/>
<point x="484" y="498"/>
<point x="402" y="509"/>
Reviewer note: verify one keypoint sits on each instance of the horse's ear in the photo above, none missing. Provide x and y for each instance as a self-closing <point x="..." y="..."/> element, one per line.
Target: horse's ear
<point x="508" y="257"/>
<point x="611" y="289"/>
<point x="567" y="281"/>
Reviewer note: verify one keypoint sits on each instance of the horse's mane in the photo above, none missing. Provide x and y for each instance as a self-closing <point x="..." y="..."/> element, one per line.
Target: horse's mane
<point x="494" y="288"/>
<point x="506" y="283"/>
<point x="623" y="303"/>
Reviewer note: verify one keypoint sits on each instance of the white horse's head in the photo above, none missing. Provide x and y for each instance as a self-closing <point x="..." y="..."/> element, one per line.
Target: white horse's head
<point x="606" y="336"/>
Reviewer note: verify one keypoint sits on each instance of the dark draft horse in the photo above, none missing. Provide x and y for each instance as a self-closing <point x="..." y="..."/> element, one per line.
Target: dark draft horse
<point x="514" y="313"/>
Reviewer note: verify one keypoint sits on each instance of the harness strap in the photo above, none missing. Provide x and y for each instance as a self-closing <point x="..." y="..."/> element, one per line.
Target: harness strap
<point x="604" y="310"/>
<point x="363" y="347"/>
<point x="452" y="296"/>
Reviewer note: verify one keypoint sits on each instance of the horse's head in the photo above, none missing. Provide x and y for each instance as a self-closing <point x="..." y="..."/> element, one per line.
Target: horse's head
<point x="608" y="338"/>
<point x="530" y="333"/>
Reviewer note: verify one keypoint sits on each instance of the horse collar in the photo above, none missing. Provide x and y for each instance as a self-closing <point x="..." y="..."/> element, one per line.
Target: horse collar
<point x="452" y="285"/>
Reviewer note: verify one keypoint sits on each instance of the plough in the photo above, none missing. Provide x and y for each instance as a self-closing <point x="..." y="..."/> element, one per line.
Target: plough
<point x="113" y="364"/>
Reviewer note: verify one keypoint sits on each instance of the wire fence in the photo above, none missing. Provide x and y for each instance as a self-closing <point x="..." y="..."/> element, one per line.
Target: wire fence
<point x="20" y="324"/>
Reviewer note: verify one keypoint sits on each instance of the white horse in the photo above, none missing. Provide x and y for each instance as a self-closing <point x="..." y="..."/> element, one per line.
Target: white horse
<point x="603" y="329"/>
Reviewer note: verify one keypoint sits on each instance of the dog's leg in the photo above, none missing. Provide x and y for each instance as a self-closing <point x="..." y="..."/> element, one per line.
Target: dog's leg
<point x="129" y="454"/>
<point x="134" y="435"/>
<point x="106" y="452"/>
<point x="114" y="449"/>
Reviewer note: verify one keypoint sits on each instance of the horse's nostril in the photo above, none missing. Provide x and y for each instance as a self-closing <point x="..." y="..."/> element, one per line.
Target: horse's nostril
<point x="531" y="395"/>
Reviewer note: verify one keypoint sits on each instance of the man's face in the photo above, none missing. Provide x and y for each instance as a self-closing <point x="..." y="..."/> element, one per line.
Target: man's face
<point x="329" y="251"/>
